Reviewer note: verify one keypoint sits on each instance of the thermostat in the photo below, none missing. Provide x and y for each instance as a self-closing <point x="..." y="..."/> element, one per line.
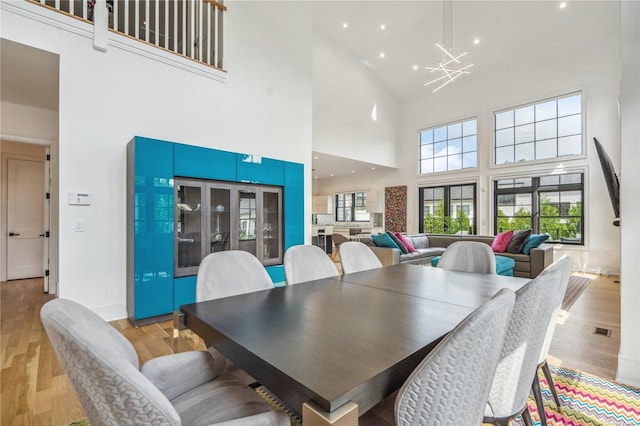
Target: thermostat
<point x="79" y="199"/>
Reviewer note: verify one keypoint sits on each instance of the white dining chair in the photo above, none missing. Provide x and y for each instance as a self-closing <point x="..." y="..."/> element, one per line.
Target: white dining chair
<point x="450" y="389"/>
<point x="229" y="273"/>
<point x="177" y="389"/>
<point x="468" y="256"/>
<point x="517" y="368"/>
<point x="565" y="266"/>
<point x="356" y="256"/>
<point x="307" y="263"/>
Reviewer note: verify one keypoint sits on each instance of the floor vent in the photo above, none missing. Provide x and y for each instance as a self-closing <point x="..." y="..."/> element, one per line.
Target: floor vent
<point x="603" y="331"/>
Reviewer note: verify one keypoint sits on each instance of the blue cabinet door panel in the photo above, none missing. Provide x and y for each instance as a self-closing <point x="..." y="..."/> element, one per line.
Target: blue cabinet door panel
<point x="184" y="291"/>
<point x="204" y="163"/>
<point x="294" y="205"/>
<point x="261" y="170"/>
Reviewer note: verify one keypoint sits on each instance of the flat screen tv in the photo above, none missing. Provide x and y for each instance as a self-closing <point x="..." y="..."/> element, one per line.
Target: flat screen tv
<point x="611" y="179"/>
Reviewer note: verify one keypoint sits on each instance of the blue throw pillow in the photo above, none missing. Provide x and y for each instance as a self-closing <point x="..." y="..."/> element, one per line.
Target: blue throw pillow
<point x="533" y="241"/>
<point x="384" y="240"/>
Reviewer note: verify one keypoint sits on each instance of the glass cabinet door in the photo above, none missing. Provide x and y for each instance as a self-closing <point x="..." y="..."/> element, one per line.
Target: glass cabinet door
<point x="247" y="218"/>
<point x="220" y="218"/>
<point x="271" y="207"/>
<point x="189" y="226"/>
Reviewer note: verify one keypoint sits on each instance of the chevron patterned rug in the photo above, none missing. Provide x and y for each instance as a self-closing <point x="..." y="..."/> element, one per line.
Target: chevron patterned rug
<point x="587" y="400"/>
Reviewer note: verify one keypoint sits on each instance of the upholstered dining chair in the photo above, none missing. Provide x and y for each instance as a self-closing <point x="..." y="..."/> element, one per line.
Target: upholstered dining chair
<point x="517" y="368"/>
<point x="306" y="263"/>
<point x="468" y="256"/>
<point x="338" y="240"/>
<point x="356" y="256"/>
<point x="229" y="273"/>
<point x="177" y="389"/>
<point x="565" y="266"/>
<point x="450" y="389"/>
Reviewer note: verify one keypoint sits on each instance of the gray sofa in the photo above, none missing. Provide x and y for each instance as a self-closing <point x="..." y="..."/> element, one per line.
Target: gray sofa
<point x="429" y="246"/>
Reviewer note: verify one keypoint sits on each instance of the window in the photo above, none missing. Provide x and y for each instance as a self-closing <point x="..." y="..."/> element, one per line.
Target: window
<point x="450" y="147"/>
<point x="550" y="205"/>
<point x="352" y="207"/>
<point x="448" y="209"/>
<point x="548" y="129"/>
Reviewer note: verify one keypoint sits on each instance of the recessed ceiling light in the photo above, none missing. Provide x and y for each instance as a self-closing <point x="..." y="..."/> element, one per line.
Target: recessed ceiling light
<point x="353" y="171"/>
<point x="415" y="67"/>
<point x="331" y="174"/>
<point x="476" y="41"/>
<point x="315" y="157"/>
<point x="345" y="25"/>
<point x="563" y="5"/>
<point x="373" y="168"/>
<point x="382" y="54"/>
<point x="383" y="27"/>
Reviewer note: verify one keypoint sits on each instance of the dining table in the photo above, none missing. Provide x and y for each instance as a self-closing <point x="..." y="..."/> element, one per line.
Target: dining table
<point x="333" y="348"/>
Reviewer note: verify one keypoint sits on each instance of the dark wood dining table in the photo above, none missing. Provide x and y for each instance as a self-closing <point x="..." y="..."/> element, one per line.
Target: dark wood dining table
<point x="333" y="348"/>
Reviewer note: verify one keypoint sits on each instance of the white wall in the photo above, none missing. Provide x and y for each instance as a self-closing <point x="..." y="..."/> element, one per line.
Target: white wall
<point x="345" y="94"/>
<point x="629" y="355"/>
<point x="264" y="108"/>
<point x="575" y="63"/>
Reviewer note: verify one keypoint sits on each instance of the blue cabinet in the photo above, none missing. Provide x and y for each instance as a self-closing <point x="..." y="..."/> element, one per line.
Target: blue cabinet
<point x="153" y="292"/>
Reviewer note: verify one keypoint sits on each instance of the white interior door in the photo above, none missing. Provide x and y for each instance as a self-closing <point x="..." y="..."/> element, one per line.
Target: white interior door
<point x="25" y="219"/>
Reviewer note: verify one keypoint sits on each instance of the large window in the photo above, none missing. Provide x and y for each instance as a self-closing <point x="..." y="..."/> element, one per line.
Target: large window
<point x="352" y="207"/>
<point x="550" y="205"/>
<point x="450" y="147"/>
<point x="548" y="129"/>
<point x="448" y="209"/>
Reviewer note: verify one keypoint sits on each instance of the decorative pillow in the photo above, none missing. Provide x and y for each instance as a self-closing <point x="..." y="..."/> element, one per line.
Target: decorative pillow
<point x="518" y="240"/>
<point x="534" y="241"/>
<point x="399" y="243"/>
<point x="383" y="240"/>
<point x="501" y="241"/>
<point x="406" y="242"/>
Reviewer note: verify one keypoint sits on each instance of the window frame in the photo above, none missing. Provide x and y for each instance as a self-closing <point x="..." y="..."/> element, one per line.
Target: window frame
<point x="447" y="204"/>
<point x="356" y="198"/>
<point x="537" y="190"/>
<point x="447" y="156"/>
<point x="555" y="158"/>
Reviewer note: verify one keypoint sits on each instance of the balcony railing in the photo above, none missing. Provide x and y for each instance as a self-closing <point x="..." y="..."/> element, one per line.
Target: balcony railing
<point x="191" y="28"/>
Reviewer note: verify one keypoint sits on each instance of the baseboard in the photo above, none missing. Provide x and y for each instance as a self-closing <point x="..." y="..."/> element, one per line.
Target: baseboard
<point x="112" y="312"/>
<point x="628" y="372"/>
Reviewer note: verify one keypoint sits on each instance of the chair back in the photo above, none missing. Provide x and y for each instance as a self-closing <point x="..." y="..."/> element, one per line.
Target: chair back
<point x="229" y="273"/>
<point x="306" y="263"/>
<point x="448" y="388"/>
<point x="526" y="331"/>
<point x="468" y="256"/>
<point x="355" y="257"/>
<point x="102" y="366"/>
<point x="564" y="265"/>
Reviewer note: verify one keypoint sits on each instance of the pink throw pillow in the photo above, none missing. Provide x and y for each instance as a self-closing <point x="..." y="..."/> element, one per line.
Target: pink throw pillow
<point x="406" y="242"/>
<point x="501" y="241"/>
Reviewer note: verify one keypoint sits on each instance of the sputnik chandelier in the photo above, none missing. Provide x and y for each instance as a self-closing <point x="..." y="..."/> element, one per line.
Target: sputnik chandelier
<point x="450" y="66"/>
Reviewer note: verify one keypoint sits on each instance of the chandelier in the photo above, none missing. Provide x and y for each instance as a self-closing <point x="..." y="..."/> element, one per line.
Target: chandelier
<point x="450" y="66"/>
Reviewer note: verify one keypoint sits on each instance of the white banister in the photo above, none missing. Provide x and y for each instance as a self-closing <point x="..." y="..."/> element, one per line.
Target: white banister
<point x="195" y="27"/>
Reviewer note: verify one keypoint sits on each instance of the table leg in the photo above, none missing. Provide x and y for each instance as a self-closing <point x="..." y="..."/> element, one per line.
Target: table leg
<point x="314" y="415"/>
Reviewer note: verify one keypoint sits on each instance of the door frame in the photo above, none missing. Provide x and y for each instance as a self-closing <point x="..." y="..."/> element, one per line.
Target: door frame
<point x="53" y="204"/>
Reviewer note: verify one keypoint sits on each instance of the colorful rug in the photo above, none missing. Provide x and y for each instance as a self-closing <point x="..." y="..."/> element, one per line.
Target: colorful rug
<point x="587" y="400"/>
<point x="575" y="287"/>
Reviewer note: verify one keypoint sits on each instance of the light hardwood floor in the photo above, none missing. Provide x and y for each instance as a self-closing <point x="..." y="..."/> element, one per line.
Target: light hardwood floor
<point x="35" y="390"/>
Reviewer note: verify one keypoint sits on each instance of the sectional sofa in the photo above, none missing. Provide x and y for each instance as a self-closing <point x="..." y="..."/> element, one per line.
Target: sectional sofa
<point x="429" y="246"/>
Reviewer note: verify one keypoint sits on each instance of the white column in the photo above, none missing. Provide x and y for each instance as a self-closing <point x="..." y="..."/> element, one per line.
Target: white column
<point x="629" y="355"/>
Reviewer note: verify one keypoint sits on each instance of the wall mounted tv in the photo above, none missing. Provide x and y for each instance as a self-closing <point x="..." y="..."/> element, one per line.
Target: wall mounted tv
<point x="611" y="179"/>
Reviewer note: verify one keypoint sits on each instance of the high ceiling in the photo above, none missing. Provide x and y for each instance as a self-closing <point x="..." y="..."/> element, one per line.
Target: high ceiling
<point x="512" y="35"/>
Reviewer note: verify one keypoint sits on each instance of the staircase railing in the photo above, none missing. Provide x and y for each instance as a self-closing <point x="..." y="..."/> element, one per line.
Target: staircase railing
<point x="191" y="28"/>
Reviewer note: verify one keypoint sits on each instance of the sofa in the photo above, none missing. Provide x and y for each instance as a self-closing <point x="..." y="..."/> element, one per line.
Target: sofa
<point x="429" y="246"/>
